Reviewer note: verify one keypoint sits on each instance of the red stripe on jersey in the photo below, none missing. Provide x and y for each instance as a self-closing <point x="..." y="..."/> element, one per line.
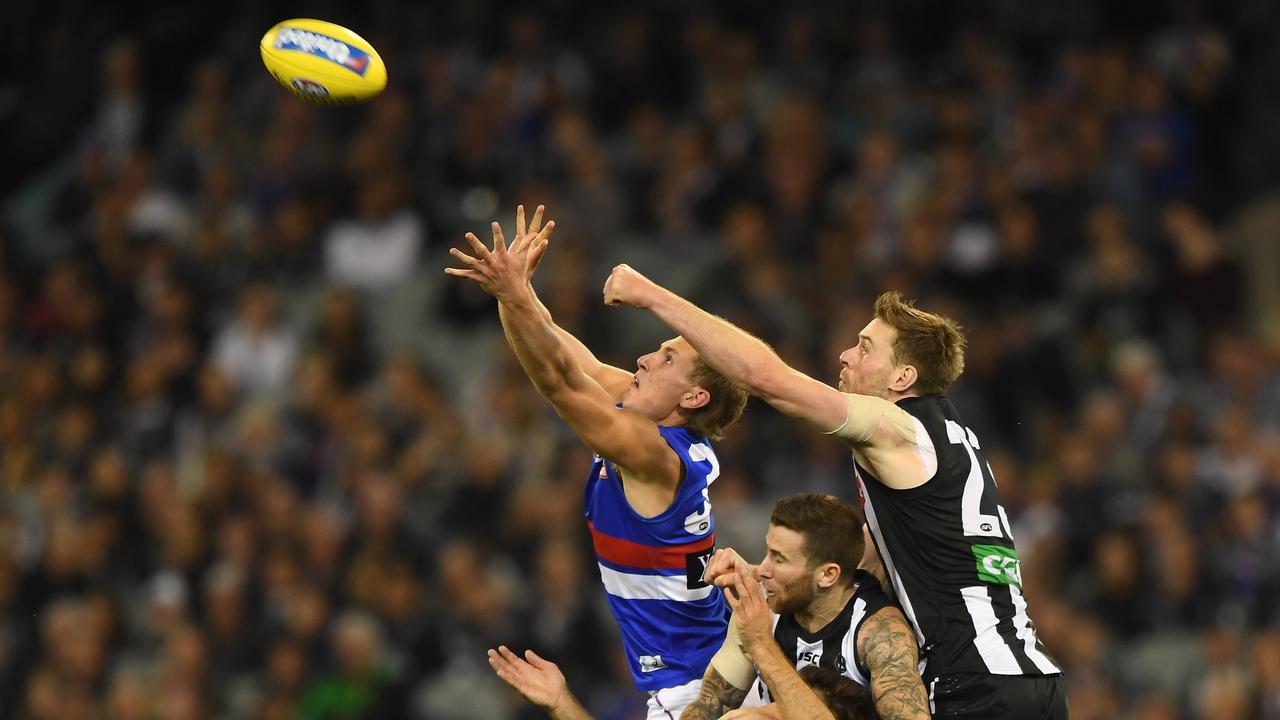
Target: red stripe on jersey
<point x="630" y="554"/>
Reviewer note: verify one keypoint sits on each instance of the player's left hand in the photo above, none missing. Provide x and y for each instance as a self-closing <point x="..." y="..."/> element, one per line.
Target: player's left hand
<point x="537" y="679"/>
<point x="750" y="609"/>
<point x="500" y="272"/>
<point x="626" y="286"/>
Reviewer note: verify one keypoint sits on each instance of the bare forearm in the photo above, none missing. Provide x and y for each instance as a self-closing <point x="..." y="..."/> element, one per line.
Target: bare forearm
<point x="569" y="709"/>
<point x="795" y="699"/>
<point x="732" y="351"/>
<point x="541" y="350"/>
<point x="717" y="697"/>
<point x="587" y="359"/>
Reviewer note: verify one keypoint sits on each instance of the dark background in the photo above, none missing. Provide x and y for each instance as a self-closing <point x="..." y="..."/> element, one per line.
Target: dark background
<point x="260" y="459"/>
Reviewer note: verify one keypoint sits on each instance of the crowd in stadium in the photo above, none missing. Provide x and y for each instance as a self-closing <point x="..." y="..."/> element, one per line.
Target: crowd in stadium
<point x="260" y="458"/>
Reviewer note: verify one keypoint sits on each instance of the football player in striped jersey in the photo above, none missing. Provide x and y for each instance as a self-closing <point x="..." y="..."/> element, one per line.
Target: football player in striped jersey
<point x="929" y="495"/>
<point x="647" y="499"/>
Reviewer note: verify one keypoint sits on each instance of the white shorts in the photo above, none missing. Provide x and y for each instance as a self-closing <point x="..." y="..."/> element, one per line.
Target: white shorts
<point x="669" y="703"/>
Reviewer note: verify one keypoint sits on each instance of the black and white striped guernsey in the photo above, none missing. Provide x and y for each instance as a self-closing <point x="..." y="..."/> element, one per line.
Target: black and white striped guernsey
<point x="835" y="645"/>
<point x="949" y="554"/>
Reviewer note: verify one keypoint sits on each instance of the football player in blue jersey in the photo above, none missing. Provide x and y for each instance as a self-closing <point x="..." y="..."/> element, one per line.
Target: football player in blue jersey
<point x="646" y="498"/>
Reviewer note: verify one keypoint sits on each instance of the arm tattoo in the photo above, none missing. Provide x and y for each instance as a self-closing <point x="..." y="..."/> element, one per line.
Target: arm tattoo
<point x="718" y="696"/>
<point x="887" y="647"/>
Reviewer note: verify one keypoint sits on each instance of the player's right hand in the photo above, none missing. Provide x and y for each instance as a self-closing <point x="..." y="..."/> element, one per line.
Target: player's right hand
<point x="525" y="235"/>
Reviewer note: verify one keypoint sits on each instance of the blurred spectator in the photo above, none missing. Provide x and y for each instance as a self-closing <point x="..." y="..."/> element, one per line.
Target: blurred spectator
<point x="259" y="460"/>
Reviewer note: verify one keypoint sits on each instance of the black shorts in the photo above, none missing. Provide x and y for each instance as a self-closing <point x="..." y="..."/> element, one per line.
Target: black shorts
<point x="999" y="697"/>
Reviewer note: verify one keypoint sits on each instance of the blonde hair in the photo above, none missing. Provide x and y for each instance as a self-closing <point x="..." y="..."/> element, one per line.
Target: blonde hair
<point x="932" y="343"/>
<point x="724" y="407"/>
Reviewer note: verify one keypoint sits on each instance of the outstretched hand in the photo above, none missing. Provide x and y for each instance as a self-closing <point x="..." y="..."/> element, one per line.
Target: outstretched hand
<point x="503" y="272"/>
<point x="539" y="680"/>
<point x="529" y="239"/>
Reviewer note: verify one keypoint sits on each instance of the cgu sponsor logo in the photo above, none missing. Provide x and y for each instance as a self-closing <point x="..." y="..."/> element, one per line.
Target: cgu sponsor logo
<point x="323" y="46"/>
<point x="997" y="564"/>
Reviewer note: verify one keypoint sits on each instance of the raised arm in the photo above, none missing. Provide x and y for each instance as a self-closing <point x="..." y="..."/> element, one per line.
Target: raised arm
<point x="887" y="646"/>
<point x="882" y="433"/>
<point x="733" y="352"/>
<point x="630" y="440"/>
<point x="614" y="380"/>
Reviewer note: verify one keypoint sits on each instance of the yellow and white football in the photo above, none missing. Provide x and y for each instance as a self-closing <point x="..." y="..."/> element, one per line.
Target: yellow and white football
<point x="323" y="63"/>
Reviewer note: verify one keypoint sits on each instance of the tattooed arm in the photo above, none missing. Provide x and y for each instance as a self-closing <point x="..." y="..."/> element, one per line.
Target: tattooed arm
<point x="887" y="646"/>
<point x="718" y="696"/>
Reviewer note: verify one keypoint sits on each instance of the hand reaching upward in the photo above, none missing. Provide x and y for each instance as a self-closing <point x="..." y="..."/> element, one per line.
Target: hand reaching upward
<point x="502" y="272"/>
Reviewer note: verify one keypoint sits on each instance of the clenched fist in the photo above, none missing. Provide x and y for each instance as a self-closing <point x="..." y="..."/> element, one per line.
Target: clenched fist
<point x="625" y="286"/>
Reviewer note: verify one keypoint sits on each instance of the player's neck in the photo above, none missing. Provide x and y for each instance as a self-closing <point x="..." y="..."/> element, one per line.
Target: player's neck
<point x="825" y="608"/>
<point x="894" y="397"/>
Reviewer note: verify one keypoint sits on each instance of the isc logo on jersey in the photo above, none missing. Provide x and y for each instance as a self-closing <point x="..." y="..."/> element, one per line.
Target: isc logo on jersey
<point x="323" y="46"/>
<point x="998" y="564"/>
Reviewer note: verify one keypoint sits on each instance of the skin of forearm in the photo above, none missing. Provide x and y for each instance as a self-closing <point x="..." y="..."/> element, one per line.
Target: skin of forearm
<point x="581" y="352"/>
<point x="539" y="348"/>
<point x="732" y="351"/>
<point x="569" y="709"/>
<point x="795" y="699"/>
<point x="889" y="649"/>
<point x="717" y="697"/>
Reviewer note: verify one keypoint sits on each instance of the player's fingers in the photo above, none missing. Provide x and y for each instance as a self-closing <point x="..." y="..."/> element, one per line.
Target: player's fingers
<point x="535" y="254"/>
<point x="481" y="251"/>
<point x="497" y="662"/>
<point x="458" y="272"/>
<point x="536" y="222"/>
<point x="521" y="230"/>
<point x="499" y="242"/>
<point x="535" y="659"/>
<point x="463" y="257"/>
<point x="744" y="592"/>
<point x="545" y="232"/>
<point x="731" y="598"/>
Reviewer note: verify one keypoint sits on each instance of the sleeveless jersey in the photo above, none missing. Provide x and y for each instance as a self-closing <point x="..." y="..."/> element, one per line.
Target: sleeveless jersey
<point x="835" y="645"/>
<point x="671" y="621"/>
<point x="949" y="553"/>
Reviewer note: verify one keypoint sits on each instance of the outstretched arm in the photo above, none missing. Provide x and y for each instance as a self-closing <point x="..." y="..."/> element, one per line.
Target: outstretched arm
<point x="613" y="379"/>
<point x="630" y="440"/>
<point x="540" y="681"/>
<point x="883" y="433"/>
<point x="733" y="352"/>
<point x="887" y="646"/>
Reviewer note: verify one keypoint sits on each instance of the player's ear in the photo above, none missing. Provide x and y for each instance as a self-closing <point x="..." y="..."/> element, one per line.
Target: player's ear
<point x="695" y="398"/>
<point x="903" y="378"/>
<point x="828" y="575"/>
